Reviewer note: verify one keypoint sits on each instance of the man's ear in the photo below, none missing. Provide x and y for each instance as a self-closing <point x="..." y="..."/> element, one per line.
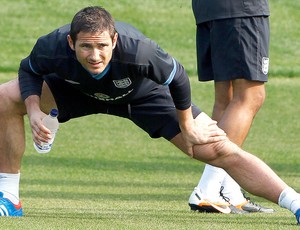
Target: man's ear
<point x="70" y="41"/>
<point x="114" y="41"/>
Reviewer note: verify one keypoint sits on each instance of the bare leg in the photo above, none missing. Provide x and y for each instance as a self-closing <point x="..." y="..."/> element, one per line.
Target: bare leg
<point x="236" y="117"/>
<point x="12" y="135"/>
<point x="236" y="104"/>
<point x="257" y="177"/>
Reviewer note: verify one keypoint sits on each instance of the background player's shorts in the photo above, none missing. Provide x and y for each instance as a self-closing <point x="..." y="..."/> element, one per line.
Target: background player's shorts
<point x="155" y="114"/>
<point x="229" y="49"/>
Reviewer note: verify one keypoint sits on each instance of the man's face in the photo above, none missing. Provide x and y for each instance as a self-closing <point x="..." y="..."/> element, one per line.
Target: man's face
<point x="93" y="50"/>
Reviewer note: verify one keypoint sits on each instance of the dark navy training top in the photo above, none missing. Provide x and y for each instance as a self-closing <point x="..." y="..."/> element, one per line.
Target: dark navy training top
<point x="208" y="10"/>
<point x="137" y="67"/>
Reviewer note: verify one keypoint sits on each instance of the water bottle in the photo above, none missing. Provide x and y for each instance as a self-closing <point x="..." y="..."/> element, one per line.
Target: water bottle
<point x="51" y="122"/>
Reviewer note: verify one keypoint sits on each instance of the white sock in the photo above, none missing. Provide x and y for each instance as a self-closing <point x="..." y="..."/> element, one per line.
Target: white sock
<point x="289" y="199"/>
<point x="232" y="190"/>
<point x="9" y="186"/>
<point x="210" y="182"/>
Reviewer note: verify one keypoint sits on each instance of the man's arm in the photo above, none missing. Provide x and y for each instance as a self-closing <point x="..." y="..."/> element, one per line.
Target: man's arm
<point x="30" y="83"/>
<point x="200" y="132"/>
<point x="39" y="132"/>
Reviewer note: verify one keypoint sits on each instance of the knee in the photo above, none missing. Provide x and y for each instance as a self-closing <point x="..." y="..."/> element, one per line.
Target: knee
<point x="250" y="102"/>
<point x="4" y="99"/>
<point x="220" y="154"/>
<point x="261" y="99"/>
<point x="255" y="98"/>
<point x="10" y="99"/>
<point x="257" y="102"/>
<point x="211" y="151"/>
<point x="258" y="99"/>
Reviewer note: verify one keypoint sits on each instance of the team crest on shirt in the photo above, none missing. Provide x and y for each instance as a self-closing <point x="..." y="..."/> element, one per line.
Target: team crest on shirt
<point x="265" y="65"/>
<point x="122" y="83"/>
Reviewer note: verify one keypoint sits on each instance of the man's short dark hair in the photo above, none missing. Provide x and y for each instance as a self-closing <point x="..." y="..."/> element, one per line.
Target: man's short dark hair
<point x="92" y="19"/>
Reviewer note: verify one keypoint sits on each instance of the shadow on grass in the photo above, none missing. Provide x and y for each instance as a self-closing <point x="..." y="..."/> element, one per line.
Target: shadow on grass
<point x="165" y="164"/>
<point x="103" y="196"/>
<point x="170" y="165"/>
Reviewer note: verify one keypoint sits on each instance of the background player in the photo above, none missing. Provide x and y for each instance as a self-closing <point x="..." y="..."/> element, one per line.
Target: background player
<point x="232" y="50"/>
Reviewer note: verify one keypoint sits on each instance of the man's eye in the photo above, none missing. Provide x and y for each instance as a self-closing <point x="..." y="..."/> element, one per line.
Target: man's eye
<point x="86" y="46"/>
<point x="101" y="46"/>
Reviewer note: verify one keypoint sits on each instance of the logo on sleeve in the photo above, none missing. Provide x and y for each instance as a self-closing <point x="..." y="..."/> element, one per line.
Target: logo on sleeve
<point x="122" y="83"/>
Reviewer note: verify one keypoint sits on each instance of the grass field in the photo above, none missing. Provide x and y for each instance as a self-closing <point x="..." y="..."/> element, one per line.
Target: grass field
<point x="105" y="173"/>
<point x="93" y="180"/>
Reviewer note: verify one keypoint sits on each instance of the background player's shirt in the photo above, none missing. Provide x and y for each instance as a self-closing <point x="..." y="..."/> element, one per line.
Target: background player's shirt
<point x="208" y="10"/>
<point x="138" y="66"/>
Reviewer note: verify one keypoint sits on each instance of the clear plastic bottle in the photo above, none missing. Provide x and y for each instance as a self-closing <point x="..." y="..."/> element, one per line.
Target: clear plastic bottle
<point x="51" y="122"/>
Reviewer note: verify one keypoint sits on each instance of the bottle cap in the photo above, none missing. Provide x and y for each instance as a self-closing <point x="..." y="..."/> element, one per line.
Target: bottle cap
<point x="54" y="112"/>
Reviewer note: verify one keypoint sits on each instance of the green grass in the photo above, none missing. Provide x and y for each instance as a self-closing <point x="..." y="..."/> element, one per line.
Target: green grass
<point x="285" y="42"/>
<point x="104" y="172"/>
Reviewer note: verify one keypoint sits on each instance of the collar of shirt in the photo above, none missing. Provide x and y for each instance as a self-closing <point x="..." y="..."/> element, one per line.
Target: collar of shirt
<point x="101" y="75"/>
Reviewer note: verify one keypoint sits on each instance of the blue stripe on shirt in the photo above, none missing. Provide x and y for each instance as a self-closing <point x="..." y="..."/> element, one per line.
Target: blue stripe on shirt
<point x="172" y="74"/>
<point x="32" y="68"/>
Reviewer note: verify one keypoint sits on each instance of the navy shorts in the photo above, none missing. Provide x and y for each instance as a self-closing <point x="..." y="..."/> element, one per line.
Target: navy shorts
<point x="234" y="48"/>
<point x="155" y="114"/>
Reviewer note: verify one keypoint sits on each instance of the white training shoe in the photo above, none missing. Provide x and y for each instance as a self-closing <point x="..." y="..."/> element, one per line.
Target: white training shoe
<point x="198" y="202"/>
